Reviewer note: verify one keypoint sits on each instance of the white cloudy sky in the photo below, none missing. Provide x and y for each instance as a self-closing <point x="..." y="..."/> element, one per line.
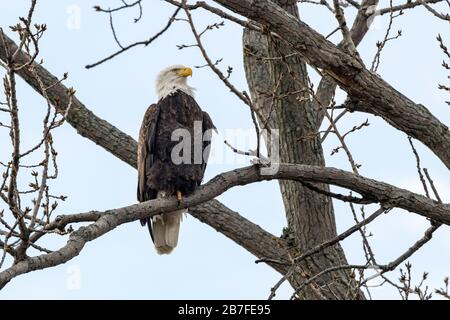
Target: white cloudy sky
<point x="123" y="264"/>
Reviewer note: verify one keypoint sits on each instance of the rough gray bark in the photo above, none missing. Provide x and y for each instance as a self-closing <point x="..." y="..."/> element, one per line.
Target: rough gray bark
<point x="279" y="88"/>
<point x="369" y="92"/>
<point x="327" y="86"/>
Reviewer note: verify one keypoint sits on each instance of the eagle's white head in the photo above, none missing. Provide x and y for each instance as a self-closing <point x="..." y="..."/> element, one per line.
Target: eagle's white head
<point x="173" y="78"/>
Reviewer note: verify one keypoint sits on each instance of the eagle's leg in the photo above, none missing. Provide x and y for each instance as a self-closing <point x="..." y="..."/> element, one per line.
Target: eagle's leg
<point x="178" y="195"/>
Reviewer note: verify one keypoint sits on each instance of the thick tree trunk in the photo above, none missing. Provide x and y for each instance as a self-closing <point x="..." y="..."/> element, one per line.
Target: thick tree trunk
<point x="279" y="90"/>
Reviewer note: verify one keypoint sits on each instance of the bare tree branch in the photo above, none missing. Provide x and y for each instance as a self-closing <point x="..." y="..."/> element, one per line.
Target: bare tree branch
<point x="409" y="4"/>
<point x="371" y="93"/>
<point x="139" y="43"/>
<point x="124" y="147"/>
<point x="106" y="221"/>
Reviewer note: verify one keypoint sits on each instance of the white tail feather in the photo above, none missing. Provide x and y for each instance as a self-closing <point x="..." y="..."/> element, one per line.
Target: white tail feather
<point x="166" y="228"/>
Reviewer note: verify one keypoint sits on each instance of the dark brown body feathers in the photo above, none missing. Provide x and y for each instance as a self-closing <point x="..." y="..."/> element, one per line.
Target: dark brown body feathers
<point x="156" y="171"/>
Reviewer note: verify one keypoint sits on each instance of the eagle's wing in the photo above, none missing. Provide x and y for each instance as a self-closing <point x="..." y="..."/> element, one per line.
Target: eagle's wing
<point x="145" y="158"/>
<point x="207" y="128"/>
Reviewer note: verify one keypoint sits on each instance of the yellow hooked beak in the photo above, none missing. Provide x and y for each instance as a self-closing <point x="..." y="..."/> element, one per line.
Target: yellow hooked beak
<point x="185" y="72"/>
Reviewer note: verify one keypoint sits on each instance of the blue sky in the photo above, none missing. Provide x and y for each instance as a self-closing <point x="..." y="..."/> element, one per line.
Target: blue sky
<point x="123" y="263"/>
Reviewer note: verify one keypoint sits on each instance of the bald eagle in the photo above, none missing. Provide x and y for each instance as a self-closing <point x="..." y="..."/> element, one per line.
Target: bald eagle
<point x="159" y="174"/>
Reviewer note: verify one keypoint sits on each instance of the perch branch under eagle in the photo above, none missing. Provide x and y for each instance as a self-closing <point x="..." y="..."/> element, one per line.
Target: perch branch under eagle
<point x="158" y="174"/>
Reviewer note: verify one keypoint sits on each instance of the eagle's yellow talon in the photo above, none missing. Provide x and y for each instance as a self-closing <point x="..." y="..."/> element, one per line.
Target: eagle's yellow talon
<point x="179" y="196"/>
